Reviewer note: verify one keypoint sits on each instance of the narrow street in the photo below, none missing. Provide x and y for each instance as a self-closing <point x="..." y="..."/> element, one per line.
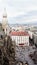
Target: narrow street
<point x="23" y="55"/>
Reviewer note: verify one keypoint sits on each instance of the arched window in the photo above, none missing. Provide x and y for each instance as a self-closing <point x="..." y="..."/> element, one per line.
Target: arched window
<point x="1" y="36"/>
<point x="3" y="29"/>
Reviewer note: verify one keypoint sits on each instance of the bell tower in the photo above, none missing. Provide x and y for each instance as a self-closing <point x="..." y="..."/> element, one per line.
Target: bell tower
<point x="5" y="21"/>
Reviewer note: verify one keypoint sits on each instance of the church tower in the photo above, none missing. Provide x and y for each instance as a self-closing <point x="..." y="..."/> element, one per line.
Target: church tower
<point x="5" y="21"/>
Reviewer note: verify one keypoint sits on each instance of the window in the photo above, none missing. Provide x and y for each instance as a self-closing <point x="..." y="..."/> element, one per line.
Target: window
<point x="3" y="29"/>
<point x="18" y="39"/>
<point x="1" y="37"/>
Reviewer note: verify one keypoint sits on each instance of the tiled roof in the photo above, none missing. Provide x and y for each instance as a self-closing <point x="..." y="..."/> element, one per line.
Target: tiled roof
<point x="19" y="33"/>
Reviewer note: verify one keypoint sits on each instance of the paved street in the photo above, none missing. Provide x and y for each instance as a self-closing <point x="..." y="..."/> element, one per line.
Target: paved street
<point x="22" y="54"/>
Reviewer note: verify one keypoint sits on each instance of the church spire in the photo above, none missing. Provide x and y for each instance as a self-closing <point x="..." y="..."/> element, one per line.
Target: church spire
<point x="5" y="13"/>
<point x="4" y="20"/>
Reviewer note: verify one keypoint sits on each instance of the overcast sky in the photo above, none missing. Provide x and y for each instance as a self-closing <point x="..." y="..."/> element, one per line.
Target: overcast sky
<point x="19" y="11"/>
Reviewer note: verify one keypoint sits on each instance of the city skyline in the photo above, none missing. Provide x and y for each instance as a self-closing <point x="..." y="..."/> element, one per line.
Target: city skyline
<point x="19" y="11"/>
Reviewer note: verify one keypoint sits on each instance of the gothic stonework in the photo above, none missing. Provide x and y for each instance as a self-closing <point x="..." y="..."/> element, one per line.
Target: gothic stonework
<point x="5" y="21"/>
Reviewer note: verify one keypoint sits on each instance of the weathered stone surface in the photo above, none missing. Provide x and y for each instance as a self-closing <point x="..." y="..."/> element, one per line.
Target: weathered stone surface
<point x="13" y="55"/>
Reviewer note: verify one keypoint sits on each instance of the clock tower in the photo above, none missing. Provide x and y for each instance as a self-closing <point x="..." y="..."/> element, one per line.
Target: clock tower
<point x="5" y="21"/>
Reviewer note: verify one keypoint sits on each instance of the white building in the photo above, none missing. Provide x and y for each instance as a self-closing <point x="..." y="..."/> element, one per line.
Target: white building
<point x="17" y="28"/>
<point x="20" y="37"/>
<point x="5" y="25"/>
<point x="30" y="34"/>
<point x="35" y="37"/>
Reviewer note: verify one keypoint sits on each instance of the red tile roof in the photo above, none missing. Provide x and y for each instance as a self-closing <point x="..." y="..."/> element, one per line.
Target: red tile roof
<point x="19" y="33"/>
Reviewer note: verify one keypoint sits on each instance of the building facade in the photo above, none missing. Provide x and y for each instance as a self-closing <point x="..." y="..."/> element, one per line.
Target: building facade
<point x="4" y="21"/>
<point x="21" y="38"/>
<point x="30" y="34"/>
<point x="5" y="25"/>
<point x="1" y="32"/>
<point x="35" y="38"/>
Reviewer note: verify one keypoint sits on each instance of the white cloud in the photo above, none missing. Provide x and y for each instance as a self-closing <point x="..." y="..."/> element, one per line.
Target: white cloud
<point x="18" y="7"/>
<point x="27" y="19"/>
